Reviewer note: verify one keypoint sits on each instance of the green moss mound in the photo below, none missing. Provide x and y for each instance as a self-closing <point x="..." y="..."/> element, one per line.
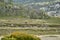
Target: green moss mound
<point x="20" y="36"/>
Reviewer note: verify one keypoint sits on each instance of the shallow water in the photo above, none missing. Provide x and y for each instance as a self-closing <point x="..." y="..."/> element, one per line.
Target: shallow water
<point x="50" y="38"/>
<point x="54" y="37"/>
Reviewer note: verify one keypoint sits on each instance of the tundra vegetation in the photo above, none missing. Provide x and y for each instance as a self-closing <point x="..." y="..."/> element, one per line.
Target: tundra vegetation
<point x="20" y="36"/>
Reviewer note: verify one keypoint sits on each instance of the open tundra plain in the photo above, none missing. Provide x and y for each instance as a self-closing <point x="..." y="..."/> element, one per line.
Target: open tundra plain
<point x="31" y="26"/>
<point x="45" y="30"/>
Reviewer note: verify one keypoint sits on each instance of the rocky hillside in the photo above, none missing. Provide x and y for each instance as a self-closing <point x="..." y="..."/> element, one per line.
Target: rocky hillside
<point x="52" y="7"/>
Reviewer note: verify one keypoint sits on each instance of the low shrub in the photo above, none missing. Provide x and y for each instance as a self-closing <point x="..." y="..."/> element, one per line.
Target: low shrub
<point x="20" y="36"/>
